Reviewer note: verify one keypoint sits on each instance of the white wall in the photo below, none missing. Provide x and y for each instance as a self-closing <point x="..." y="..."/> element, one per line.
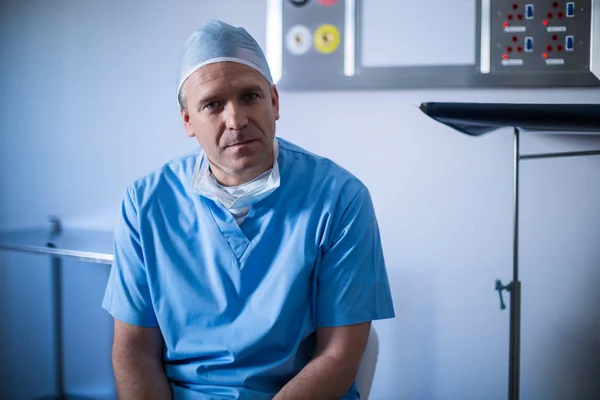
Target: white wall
<point x="87" y="104"/>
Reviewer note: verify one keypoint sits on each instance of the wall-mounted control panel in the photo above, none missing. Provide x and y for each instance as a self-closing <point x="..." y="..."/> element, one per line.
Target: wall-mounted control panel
<point x="544" y="36"/>
<point x="388" y="44"/>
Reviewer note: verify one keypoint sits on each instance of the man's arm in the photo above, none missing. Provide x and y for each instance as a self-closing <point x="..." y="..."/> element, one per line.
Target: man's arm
<point x="331" y="372"/>
<point x="137" y="363"/>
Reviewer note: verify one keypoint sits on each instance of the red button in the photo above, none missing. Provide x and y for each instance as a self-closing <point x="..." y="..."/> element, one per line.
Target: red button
<point x="327" y="3"/>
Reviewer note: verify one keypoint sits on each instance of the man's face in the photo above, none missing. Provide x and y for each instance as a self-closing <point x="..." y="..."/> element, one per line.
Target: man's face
<point x="231" y="111"/>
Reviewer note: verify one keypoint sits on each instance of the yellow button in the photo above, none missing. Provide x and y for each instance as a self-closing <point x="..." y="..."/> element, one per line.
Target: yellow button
<point x="327" y="39"/>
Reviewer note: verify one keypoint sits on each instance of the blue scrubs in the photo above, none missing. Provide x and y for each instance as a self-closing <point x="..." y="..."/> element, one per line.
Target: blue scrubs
<point x="238" y="305"/>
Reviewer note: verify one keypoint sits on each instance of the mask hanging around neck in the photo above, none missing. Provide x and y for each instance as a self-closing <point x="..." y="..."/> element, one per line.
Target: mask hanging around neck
<point x="235" y="197"/>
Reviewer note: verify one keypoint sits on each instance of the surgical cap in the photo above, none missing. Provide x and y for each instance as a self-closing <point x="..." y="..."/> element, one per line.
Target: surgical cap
<point x="216" y="42"/>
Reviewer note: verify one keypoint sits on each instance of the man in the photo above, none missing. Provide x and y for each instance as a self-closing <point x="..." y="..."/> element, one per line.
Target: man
<point x="251" y="270"/>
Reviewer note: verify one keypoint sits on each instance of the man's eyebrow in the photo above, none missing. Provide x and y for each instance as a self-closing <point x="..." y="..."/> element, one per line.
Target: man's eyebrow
<point x="253" y="87"/>
<point x="207" y="98"/>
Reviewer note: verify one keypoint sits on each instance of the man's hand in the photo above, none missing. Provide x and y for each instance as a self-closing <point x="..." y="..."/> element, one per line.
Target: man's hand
<point x="331" y="372"/>
<point x="137" y="362"/>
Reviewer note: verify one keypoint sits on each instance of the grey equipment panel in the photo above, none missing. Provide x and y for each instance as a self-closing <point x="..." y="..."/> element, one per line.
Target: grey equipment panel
<point x="339" y="44"/>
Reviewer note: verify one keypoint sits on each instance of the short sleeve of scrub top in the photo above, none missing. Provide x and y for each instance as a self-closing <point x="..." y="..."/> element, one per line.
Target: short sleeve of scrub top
<point x="127" y="297"/>
<point x="352" y="282"/>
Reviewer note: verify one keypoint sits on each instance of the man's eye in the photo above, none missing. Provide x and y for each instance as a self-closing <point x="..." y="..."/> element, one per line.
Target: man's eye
<point x="212" y="105"/>
<point x="251" y="96"/>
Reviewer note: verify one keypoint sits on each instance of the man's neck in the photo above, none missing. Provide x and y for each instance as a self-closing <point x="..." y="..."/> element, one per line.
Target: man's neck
<point x="226" y="178"/>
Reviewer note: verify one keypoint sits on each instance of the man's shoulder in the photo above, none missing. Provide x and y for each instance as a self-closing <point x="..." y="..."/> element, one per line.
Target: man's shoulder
<point x="320" y="169"/>
<point x="294" y="150"/>
<point x="174" y="174"/>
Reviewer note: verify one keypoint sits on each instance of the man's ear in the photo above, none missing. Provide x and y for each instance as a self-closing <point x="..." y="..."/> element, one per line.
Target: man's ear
<point x="275" y="101"/>
<point x="189" y="129"/>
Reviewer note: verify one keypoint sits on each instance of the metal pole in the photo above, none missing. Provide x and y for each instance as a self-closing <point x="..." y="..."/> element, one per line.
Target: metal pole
<point x="557" y="155"/>
<point x="515" y="287"/>
<point x="56" y="283"/>
<point x="57" y="322"/>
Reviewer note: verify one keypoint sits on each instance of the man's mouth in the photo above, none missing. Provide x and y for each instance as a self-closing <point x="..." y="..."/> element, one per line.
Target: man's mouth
<point x="241" y="143"/>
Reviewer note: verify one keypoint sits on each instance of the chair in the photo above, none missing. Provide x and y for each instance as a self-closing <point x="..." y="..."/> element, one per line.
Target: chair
<point x="366" y="368"/>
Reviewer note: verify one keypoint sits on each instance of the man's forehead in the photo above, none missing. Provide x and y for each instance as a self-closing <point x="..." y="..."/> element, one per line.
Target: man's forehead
<point x="226" y="72"/>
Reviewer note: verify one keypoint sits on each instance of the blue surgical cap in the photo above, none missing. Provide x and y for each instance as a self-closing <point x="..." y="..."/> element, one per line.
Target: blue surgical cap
<point x="215" y="42"/>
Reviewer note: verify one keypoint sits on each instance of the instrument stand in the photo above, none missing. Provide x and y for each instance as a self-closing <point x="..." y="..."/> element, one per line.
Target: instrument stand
<point x="514" y="287"/>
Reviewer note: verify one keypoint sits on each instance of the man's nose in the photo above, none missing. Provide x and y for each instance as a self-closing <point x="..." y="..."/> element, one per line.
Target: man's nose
<point x="235" y="116"/>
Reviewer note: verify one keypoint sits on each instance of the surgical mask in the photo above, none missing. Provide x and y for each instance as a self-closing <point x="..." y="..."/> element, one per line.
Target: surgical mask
<point x="235" y="197"/>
